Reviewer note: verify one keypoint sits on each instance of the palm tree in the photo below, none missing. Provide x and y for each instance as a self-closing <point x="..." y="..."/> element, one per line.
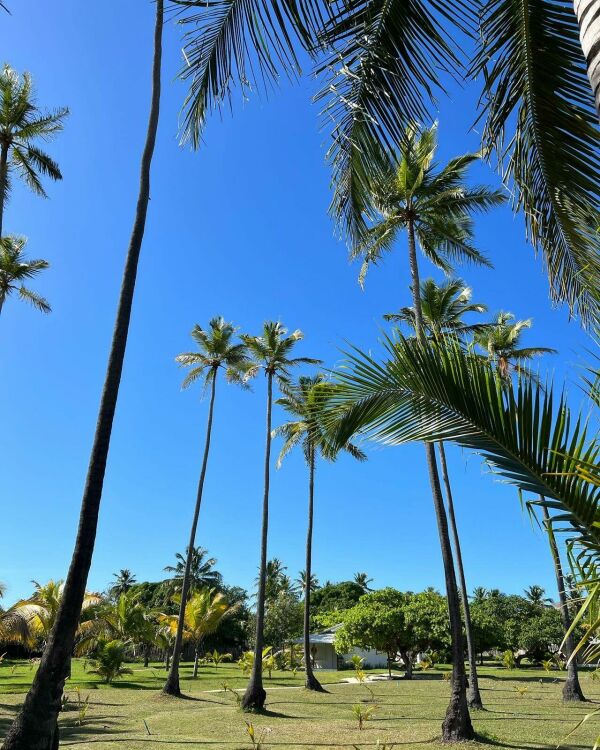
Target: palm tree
<point x="572" y="688"/>
<point x="217" y="352"/>
<point x="363" y="580"/>
<point x="42" y="608"/>
<point x="22" y="123"/>
<point x="201" y="573"/>
<point x="443" y="308"/>
<point x="35" y="726"/>
<point x="500" y="341"/>
<point x="408" y="192"/>
<point x="306" y="401"/>
<point x="15" y="269"/>
<point x="204" y="612"/>
<point x="124" y="580"/>
<point x="535" y="595"/>
<point x="302" y="581"/>
<point x="270" y="352"/>
<point x="275" y="578"/>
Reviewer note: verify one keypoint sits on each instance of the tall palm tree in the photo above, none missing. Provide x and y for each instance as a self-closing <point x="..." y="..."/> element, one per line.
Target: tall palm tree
<point x="202" y="570"/>
<point x="363" y="580"/>
<point x="203" y="613"/>
<point x="407" y="192"/>
<point x="35" y="726"/>
<point x="270" y="353"/>
<point x="572" y="688"/>
<point x="535" y="595"/>
<point x="303" y="581"/>
<point x="275" y="579"/>
<point x="124" y="580"/>
<point x="306" y="401"/>
<point x="218" y="351"/>
<point x="22" y="124"/>
<point x="15" y="269"/>
<point x="443" y="308"/>
<point x="500" y="341"/>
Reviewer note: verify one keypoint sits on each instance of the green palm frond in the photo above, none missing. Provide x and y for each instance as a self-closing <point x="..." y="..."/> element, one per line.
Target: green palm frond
<point x="422" y="391"/>
<point x="382" y="71"/>
<point x="34" y="299"/>
<point x="15" y="268"/>
<point x="245" y="43"/>
<point x="540" y="119"/>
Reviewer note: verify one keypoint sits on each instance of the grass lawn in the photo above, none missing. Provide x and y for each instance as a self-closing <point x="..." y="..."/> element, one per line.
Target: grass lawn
<point x="132" y="714"/>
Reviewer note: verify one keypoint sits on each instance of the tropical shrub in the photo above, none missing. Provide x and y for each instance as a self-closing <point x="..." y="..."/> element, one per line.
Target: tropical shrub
<point x="108" y="661"/>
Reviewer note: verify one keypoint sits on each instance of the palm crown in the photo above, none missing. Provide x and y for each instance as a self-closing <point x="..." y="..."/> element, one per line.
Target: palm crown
<point x="443" y="307"/>
<point x="270" y="351"/>
<point x="500" y="340"/>
<point x="202" y="571"/>
<point x="217" y="351"/>
<point x="407" y="190"/>
<point x="21" y="124"/>
<point x="307" y="399"/>
<point x="15" y="269"/>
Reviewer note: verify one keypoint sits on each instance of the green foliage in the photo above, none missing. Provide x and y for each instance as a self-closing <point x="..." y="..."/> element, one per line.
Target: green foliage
<point x="15" y="268"/>
<point x="508" y="659"/>
<point x="283" y="619"/>
<point x="108" y="660"/>
<point x="363" y="713"/>
<point x="335" y="597"/>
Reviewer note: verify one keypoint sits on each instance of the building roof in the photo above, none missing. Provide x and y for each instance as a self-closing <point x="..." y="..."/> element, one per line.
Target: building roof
<point x="325" y="636"/>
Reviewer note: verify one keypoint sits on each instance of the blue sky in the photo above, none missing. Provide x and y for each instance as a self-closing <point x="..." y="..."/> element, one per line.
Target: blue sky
<point x="238" y="229"/>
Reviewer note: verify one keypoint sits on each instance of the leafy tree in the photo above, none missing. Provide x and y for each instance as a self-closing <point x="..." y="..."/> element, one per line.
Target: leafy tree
<point x="427" y="617"/>
<point x="108" y="661"/>
<point x="306" y="400"/>
<point x="22" y="125"/>
<point x="283" y="620"/>
<point x="35" y="725"/>
<point x="378" y="621"/>
<point x="270" y="353"/>
<point x="15" y="269"/>
<point x="336" y="597"/>
<point x="204" y="612"/>
<point x="218" y="351"/>
<point x="124" y="580"/>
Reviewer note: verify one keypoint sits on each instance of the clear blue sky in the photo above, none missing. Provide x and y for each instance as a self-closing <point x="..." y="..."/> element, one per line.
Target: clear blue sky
<point x="239" y="229"/>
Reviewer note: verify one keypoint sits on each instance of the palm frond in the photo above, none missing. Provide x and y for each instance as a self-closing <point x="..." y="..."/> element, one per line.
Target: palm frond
<point x="39" y="302"/>
<point x="540" y="119"/>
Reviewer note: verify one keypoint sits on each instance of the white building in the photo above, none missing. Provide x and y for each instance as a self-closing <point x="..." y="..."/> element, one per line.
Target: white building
<point x="324" y="655"/>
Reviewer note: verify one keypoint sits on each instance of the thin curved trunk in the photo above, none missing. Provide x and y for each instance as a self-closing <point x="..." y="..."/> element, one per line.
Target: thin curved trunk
<point x="3" y="177"/>
<point x="572" y="689"/>
<point x="311" y="682"/>
<point x="36" y="727"/>
<point x="172" y="684"/>
<point x="473" y="695"/>
<point x="457" y="725"/>
<point x="588" y="18"/>
<point x="255" y="695"/>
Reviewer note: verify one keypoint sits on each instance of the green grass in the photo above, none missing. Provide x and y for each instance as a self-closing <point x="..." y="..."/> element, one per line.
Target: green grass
<point x="132" y="714"/>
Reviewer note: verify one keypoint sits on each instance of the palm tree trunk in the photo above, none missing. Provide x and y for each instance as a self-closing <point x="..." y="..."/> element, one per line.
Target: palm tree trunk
<point x="172" y="684"/>
<point x="588" y="18"/>
<point x="35" y="727"/>
<point x="195" y="671"/>
<point x="254" y="697"/>
<point x="473" y="695"/>
<point x="311" y="682"/>
<point x="572" y="689"/>
<point x="457" y="725"/>
<point x="3" y="179"/>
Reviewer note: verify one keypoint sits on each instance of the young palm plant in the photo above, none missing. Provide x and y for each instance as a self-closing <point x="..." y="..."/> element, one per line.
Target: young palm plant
<point x="306" y="400"/>
<point x="15" y="269"/>
<point x="21" y="125"/>
<point x="270" y="353"/>
<point x="35" y="727"/>
<point x="407" y="192"/>
<point x="443" y="308"/>
<point x="218" y="351"/>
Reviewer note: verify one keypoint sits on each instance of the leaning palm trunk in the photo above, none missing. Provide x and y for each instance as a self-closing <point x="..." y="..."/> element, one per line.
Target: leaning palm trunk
<point x="3" y="180"/>
<point x="588" y="18"/>
<point x="172" y="684"/>
<point x="311" y="682"/>
<point x="35" y="727"/>
<point x="457" y="725"/>
<point x="572" y="689"/>
<point x="254" y="697"/>
<point x="474" y="696"/>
